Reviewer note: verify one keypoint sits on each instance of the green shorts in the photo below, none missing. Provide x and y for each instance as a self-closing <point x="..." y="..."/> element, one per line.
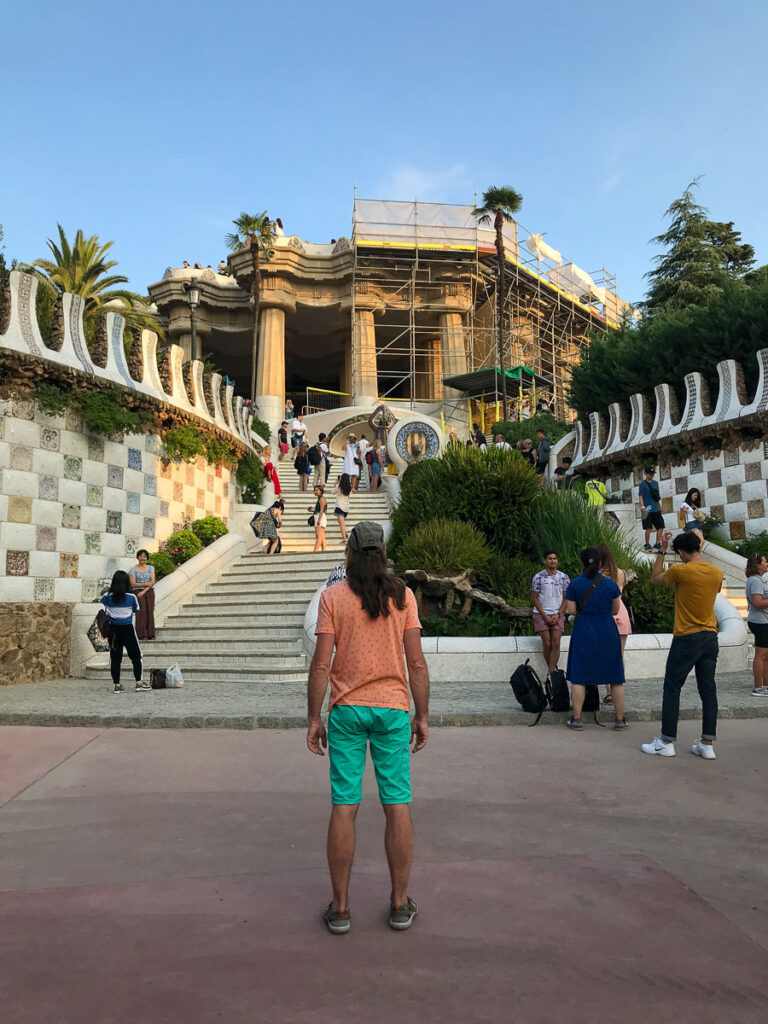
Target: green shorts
<point x="350" y="728"/>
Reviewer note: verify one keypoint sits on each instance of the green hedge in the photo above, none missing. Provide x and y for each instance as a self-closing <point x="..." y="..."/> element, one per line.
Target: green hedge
<point x="181" y="546"/>
<point x="444" y="547"/>
<point x="512" y="432"/>
<point x="163" y="564"/>
<point x="209" y="529"/>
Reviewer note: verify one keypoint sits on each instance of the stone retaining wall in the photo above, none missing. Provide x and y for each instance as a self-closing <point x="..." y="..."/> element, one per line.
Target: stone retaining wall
<point x="34" y="643"/>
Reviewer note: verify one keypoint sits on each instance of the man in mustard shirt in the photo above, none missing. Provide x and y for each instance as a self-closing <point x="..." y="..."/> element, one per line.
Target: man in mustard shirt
<point x="694" y="645"/>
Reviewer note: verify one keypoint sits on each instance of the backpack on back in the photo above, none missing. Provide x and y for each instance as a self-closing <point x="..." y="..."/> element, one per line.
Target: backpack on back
<point x="315" y="456"/>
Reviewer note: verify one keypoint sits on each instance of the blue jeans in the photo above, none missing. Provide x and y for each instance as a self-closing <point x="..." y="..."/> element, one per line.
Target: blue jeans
<point x="697" y="651"/>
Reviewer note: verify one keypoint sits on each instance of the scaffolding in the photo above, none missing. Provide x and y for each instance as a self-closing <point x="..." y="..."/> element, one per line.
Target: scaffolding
<point x="414" y="260"/>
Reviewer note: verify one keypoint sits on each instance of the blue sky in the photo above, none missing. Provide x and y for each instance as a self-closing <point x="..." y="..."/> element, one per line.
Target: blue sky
<point x="154" y="124"/>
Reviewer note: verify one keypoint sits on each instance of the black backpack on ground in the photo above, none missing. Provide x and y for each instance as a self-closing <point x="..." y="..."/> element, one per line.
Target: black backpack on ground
<point x="560" y="699"/>
<point x="315" y="456"/>
<point x="529" y="692"/>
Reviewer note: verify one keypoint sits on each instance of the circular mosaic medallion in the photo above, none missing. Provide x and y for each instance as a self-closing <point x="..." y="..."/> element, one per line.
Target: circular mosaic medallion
<point x="415" y="440"/>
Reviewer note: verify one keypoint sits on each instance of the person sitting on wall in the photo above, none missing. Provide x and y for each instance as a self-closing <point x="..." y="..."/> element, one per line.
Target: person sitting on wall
<point x="650" y="504"/>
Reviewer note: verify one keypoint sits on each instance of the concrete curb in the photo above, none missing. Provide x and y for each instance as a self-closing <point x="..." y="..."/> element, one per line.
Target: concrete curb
<point x="457" y="719"/>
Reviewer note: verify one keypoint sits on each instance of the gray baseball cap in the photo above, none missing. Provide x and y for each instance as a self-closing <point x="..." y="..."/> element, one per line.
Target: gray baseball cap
<point x="366" y="537"/>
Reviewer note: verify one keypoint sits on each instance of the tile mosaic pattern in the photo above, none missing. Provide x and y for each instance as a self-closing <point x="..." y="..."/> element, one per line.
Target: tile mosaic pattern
<point x="93" y="543"/>
<point x="68" y="564"/>
<point x="132" y="502"/>
<point x="131" y="546"/>
<point x="49" y="439"/>
<point x="17" y="562"/>
<point x="209" y="482"/>
<point x="753" y="471"/>
<point x="217" y="502"/>
<point x="665" y="472"/>
<point x="756" y="508"/>
<point x="134" y="458"/>
<point x="73" y="467"/>
<point x="164" y="509"/>
<point x="733" y="493"/>
<point x="696" y="465"/>
<point x="667" y="505"/>
<point x="715" y="478"/>
<point x="737" y="530"/>
<point x="21" y="458"/>
<point x="70" y="517"/>
<point x="150" y="484"/>
<point x="19" y="509"/>
<point x="200" y="463"/>
<point x="115" y="477"/>
<point x="23" y="408"/>
<point x="94" y="497"/>
<point x="149" y="527"/>
<point x="178" y="491"/>
<point x="114" y="522"/>
<point x="91" y="590"/>
<point x="43" y="590"/>
<point x="189" y="476"/>
<point x="45" y="538"/>
<point x="48" y="488"/>
<point x="166" y="470"/>
<point x="73" y="421"/>
<point x="200" y="498"/>
<point x="96" y="449"/>
<point x="718" y="512"/>
<point x="731" y="458"/>
<point x="152" y="443"/>
<point x="681" y="485"/>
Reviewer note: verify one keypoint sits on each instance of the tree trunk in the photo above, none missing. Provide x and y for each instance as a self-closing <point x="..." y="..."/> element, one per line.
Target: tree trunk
<point x="500" y="292"/>
<point x="256" y="293"/>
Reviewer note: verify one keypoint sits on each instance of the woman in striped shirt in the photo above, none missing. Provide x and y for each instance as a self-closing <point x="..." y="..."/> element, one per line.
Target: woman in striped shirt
<point x="121" y="605"/>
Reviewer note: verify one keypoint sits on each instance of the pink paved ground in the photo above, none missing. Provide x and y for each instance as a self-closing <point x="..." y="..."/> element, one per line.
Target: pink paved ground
<point x="177" y="877"/>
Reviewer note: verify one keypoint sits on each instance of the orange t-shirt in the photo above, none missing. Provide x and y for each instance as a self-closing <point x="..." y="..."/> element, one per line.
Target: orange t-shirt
<point x="369" y="664"/>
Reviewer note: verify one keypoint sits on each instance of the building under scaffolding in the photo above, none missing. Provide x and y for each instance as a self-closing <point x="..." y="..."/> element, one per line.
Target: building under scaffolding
<point x="403" y="311"/>
<point x="419" y="258"/>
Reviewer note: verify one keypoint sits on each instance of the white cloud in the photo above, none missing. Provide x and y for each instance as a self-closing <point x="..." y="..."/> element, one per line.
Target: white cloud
<point x="451" y="184"/>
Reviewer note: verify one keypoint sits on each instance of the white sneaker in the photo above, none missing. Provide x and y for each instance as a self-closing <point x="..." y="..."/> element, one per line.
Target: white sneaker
<point x="658" y="746"/>
<point x="705" y="750"/>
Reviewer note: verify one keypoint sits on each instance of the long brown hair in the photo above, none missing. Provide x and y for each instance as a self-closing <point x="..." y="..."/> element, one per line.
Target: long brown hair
<point x="608" y="562"/>
<point x="369" y="578"/>
<point x="753" y="561"/>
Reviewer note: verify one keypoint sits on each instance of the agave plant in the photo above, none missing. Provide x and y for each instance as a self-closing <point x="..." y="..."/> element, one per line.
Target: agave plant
<point x="83" y="268"/>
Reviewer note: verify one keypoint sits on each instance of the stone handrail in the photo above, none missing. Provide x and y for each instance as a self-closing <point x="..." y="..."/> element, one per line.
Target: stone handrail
<point x="212" y="404"/>
<point x="636" y="427"/>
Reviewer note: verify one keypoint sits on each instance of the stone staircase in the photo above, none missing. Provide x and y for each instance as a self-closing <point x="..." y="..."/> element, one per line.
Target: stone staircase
<point x="247" y="625"/>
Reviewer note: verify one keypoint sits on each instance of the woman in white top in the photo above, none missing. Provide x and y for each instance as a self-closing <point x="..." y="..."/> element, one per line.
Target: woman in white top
<point x="351" y="459"/>
<point x="689" y="508"/>
<point x="362" y="447"/>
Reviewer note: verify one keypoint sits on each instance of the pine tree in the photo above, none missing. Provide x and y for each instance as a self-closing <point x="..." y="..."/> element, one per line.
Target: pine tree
<point x="701" y="257"/>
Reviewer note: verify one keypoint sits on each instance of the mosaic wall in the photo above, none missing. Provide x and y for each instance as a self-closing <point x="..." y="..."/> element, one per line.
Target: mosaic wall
<point x="74" y="508"/>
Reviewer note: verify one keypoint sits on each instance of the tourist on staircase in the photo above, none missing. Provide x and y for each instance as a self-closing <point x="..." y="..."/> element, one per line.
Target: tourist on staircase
<point x="692" y="514"/>
<point x="270" y="472"/>
<point x="271" y="521"/>
<point x="374" y="465"/>
<point x="342" y="491"/>
<point x="319" y="520"/>
<point x="301" y="462"/>
<point x="351" y="461"/>
<point x="143" y="584"/>
<point x="363" y="445"/>
<point x="282" y="440"/>
<point x="322" y="440"/>
<point x="298" y="431"/>
<point x="315" y="459"/>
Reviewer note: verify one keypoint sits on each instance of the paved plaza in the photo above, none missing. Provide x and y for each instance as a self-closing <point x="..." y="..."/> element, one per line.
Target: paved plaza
<point x="165" y="876"/>
<point x="253" y="705"/>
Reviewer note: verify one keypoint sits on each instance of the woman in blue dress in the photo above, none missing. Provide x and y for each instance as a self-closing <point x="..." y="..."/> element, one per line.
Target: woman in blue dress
<point x="594" y="652"/>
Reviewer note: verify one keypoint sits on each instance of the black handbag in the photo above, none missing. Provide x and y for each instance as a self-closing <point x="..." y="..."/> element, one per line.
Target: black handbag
<point x="104" y="624"/>
<point x="311" y="521"/>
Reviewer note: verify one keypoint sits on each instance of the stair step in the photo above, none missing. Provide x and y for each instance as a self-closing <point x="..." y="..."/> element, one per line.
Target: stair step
<point x="204" y="674"/>
<point x="241" y="647"/>
<point x="247" y="616"/>
<point x="225" y="637"/>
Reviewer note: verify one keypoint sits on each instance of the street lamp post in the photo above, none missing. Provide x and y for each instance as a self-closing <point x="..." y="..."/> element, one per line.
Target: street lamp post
<point x="193" y="297"/>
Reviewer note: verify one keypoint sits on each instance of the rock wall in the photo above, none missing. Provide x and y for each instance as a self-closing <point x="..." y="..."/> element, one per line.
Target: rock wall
<point x="34" y="645"/>
<point x="75" y="507"/>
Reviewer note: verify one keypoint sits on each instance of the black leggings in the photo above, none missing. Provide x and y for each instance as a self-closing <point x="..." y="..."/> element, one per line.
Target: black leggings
<point x="124" y="636"/>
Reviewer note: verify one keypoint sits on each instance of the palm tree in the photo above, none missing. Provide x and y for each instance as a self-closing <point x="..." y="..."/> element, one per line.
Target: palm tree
<point x="255" y="233"/>
<point x="499" y="204"/>
<point x="83" y="269"/>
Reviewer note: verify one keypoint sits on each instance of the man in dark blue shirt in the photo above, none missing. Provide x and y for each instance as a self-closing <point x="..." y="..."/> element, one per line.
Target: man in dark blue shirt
<point x="650" y="503"/>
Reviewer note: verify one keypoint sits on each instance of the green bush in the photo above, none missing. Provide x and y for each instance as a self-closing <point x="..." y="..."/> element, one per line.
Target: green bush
<point x="163" y="564"/>
<point x="261" y="427"/>
<point x="182" y="546"/>
<point x="104" y="413"/>
<point x="509" y="578"/>
<point x="250" y="476"/>
<point x="481" y="621"/>
<point x="444" y="547"/>
<point x="563" y="522"/>
<point x="209" y="529"/>
<point x="184" y="443"/>
<point x="51" y="399"/>
<point x="653" y="606"/>
<point x="218" y="451"/>
<point x="518" y="430"/>
<point x="494" y="490"/>
<point x="757" y="545"/>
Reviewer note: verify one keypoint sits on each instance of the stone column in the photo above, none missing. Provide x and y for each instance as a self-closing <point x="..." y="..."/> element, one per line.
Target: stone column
<point x="270" y="368"/>
<point x="436" y="369"/>
<point x="454" y="350"/>
<point x="365" y="382"/>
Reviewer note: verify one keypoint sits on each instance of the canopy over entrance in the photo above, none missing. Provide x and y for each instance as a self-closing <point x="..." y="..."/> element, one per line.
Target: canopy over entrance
<point x="488" y="381"/>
